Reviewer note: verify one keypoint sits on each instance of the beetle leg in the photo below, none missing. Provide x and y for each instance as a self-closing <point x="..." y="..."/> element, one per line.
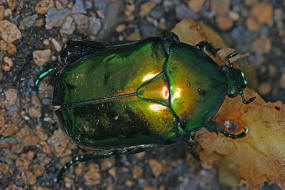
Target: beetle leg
<point x="170" y="37"/>
<point x="230" y="56"/>
<point x="81" y="158"/>
<point x="101" y="155"/>
<point x="205" y="45"/>
<point x="43" y="75"/>
<point x="216" y="127"/>
<point x="241" y="135"/>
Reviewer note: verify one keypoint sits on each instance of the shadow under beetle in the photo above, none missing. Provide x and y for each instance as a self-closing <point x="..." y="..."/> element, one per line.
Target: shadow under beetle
<point x="126" y="97"/>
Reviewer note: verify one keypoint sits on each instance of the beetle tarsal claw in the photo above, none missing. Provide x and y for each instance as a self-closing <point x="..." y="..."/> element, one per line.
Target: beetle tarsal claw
<point x="223" y="53"/>
<point x="246" y="101"/>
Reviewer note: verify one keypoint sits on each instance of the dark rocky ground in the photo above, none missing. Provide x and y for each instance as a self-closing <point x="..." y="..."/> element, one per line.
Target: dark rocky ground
<point x="32" y="146"/>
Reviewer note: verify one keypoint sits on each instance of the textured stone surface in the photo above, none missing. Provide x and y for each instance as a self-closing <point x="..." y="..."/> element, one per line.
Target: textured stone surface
<point x="33" y="146"/>
<point x="41" y="56"/>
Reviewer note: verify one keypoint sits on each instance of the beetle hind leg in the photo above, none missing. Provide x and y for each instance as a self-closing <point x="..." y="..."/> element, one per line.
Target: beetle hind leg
<point x="101" y="155"/>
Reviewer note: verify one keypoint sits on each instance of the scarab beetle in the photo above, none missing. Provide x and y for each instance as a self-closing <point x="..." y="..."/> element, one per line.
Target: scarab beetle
<point x="128" y="96"/>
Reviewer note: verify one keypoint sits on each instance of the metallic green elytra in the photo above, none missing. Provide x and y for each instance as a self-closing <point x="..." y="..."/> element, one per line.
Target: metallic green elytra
<point x="128" y="96"/>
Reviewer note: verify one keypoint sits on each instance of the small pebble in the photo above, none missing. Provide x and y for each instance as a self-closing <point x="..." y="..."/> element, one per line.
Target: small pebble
<point x="8" y="64"/>
<point x="94" y="25"/>
<point x="4" y="168"/>
<point x="68" y="26"/>
<point x="221" y="7"/>
<point x="41" y="56"/>
<point x="195" y="5"/>
<point x="9" y="129"/>
<point x="69" y="5"/>
<point x="46" y="42"/>
<point x="40" y="133"/>
<point x="252" y="24"/>
<point x="23" y="132"/>
<point x="39" y="22"/>
<point x="140" y="155"/>
<point x="9" y="31"/>
<point x="68" y="182"/>
<point x="92" y="176"/>
<point x="38" y="170"/>
<point x="55" y="18"/>
<point x="28" y="21"/>
<point x="56" y="45"/>
<point x="137" y="172"/>
<point x="264" y="88"/>
<point x="2" y="9"/>
<point x="7" y="13"/>
<point x="120" y="28"/>
<point x="43" y="6"/>
<point x="79" y="169"/>
<point x="12" y="4"/>
<point x="156" y="167"/>
<point x="35" y="110"/>
<point x="107" y="163"/>
<point x="30" y="141"/>
<point x="22" y="163"/>
<point x="58" y="5"/>
<point x="59" y="143"/>
<point x="129" y="12"/>
<point x="263" y="12"/>
<point x="45" y="147"/>
<point x="157" y="12"/>
<point x="100" y="14"/>
<point x="112" y="172"/>
<point x="234" y="15"/>
<point x="262" y="44"/>
<point x="78" y="7"/>
<point x="184" y="12"/>
<point x="129" y="183"/>
<point x="146" y="8"/>
<point x="24" y="160"/>
<point x="224" y="22"/>
<point x="29" y="177"/>
<point x="133" y="36"/>
<point x="81" y="22"/>
<point x="11" y="96"/>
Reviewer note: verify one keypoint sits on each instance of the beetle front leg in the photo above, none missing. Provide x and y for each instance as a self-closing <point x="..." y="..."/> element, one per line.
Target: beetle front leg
<point x="217" y="128"/>
<point x="170" y="37"/>
<point x="204" y="45"/>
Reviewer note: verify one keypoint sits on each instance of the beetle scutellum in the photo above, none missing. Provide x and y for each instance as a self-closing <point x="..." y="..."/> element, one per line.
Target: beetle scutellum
<point x="128" y="96"/>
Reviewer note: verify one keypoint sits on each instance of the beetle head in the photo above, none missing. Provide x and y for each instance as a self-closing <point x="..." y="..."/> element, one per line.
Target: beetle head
<point x="236" y="83"/>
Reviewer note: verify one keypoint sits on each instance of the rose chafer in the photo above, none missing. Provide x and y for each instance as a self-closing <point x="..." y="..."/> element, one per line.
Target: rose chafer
<point x="128" y="96"/>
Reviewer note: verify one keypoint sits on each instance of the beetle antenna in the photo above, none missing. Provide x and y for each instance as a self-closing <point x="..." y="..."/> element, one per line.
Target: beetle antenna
<point x="246" y="101"/>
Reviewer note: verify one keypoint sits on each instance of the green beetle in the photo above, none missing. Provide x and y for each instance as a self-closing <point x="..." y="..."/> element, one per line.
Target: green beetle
<point x="128" y="96"/>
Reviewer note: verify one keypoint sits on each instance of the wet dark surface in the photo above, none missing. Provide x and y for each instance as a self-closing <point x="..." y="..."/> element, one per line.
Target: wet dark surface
<point x="32" y="145"/>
